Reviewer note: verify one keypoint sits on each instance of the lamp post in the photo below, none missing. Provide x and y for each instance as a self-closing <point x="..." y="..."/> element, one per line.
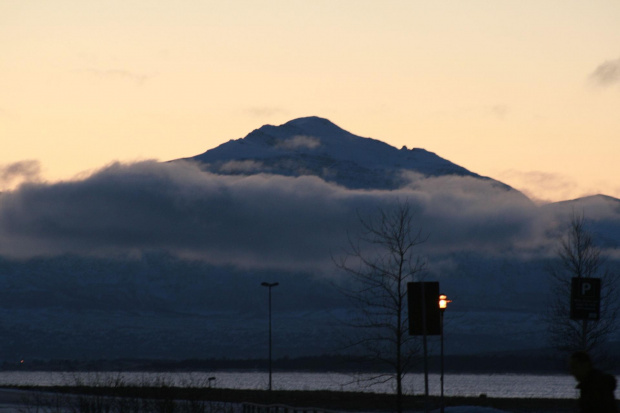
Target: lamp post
<point x="443" y="304"/>
<point x="269" y="286"/>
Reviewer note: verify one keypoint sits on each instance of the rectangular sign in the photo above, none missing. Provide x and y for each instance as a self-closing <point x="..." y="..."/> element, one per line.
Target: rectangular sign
<point x="585" y="300"/>
<point x="424" y="313"/>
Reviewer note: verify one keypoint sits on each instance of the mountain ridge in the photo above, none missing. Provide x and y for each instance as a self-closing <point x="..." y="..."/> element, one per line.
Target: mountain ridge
<point x="588" y="198"/>
<point x="306" y="141"/>
<point x="316" y="146"/>
<point x="162" y="260"/>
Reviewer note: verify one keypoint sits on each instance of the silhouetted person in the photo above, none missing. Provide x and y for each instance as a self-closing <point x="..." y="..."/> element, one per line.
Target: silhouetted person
<point x="596" y="388"/>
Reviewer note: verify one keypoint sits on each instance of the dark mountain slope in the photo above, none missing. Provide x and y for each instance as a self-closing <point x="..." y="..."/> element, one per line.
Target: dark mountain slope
<point x="316" y="146"/>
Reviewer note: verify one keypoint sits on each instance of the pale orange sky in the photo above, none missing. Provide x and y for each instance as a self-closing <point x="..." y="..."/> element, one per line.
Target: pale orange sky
<point x="527" y="92"/>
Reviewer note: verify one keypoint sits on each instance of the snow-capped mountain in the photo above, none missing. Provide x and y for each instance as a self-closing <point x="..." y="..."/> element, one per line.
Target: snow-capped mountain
<point x="316" y="146"/>
<point x="165" y="260"/>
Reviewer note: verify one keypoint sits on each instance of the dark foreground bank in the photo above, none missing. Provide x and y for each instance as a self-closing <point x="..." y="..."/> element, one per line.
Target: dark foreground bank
<point x="514" y="362"/>
<point x="320" y="400"/>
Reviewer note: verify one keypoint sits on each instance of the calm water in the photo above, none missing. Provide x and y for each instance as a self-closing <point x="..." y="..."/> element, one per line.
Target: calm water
<point x="498" y="385"/>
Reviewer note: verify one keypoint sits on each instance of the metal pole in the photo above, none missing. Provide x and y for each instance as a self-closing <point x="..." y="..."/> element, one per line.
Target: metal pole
<point x="441" y="379"/>
<point x="443" y="304"/>
<point x="270" y="370"/>
<point x="425" y="346"/>
<point x="269" y="286"/>
<point x="584" y="335"/>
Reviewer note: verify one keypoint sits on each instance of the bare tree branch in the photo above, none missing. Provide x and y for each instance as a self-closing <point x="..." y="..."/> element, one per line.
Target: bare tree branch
<point x="579" y="256"/>
<point x="381" y="261"/>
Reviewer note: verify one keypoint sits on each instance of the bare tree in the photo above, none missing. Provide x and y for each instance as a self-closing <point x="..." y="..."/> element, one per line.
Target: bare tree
<point x="381" y="261"/>
<point x="579" y="256"/>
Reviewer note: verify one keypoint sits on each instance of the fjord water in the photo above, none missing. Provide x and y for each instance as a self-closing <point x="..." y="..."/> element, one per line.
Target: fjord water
<point x="493" y="385"/>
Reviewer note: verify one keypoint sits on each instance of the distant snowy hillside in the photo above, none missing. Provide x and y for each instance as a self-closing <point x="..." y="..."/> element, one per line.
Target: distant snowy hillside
<point x="316" y="146"/>
<point x="595" y="203"/>
<point x="602" y="213"/>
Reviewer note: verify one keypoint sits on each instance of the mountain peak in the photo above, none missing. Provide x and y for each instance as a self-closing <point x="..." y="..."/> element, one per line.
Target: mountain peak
<point x="309" y="120"/>
<point x="311" y="126"/>
<point x="316" y="146"/>
<point x="315" y="125"/>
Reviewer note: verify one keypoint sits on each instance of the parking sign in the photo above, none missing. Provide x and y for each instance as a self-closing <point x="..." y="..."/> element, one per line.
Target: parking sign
<point x="585" y="302"/>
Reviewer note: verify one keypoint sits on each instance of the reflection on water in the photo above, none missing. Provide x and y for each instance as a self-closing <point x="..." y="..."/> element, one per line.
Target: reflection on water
<point x="498" y="385"/>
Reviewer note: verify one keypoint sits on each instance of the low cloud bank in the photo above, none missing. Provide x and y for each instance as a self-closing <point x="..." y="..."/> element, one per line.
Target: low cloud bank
<point x="258" y="221"/>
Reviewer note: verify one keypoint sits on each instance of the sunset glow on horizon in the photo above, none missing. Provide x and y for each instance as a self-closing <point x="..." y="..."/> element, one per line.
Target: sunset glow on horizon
<point x="527" y="93"/>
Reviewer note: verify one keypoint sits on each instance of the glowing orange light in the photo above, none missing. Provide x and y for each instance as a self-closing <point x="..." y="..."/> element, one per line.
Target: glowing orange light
<point x="443" y="302"/>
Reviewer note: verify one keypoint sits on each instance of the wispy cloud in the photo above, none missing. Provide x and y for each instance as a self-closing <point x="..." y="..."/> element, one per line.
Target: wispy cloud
<point x="500" y="110"/>
<point x="119" y="74"/>
<point x="607" y="73"/>
<point x="22" y="171"/>
<point x="266" y="111"/>
<point x="531" y="183"/>
<point x="246" y="167"/>
<point x="299" y="142"/>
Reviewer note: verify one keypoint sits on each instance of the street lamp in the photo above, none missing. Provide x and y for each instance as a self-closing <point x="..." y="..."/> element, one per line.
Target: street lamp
<point x="443" y="304"/>
<point x="269" y="285"/>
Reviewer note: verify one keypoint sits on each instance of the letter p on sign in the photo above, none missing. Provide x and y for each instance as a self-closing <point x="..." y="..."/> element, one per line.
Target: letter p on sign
<point x="585" y="287"/>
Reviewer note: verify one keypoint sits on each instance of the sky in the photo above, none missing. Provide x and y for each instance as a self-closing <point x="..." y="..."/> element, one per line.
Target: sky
<point x="96" y="95"/>
<point x="526" y="92"/>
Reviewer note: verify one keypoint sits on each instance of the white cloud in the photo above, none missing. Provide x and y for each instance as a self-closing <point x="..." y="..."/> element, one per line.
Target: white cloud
<point x="247" y="166"/>
<point x="257" y="221"/>
<point x="299" y="142"/>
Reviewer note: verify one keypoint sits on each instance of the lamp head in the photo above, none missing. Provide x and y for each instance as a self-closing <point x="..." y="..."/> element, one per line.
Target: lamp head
<point x="443" y="302"/>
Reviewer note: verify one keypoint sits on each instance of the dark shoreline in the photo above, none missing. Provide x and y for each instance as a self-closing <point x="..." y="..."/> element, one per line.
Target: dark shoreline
<point x="326" y="400"/>
<point x="481" y="364"/>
